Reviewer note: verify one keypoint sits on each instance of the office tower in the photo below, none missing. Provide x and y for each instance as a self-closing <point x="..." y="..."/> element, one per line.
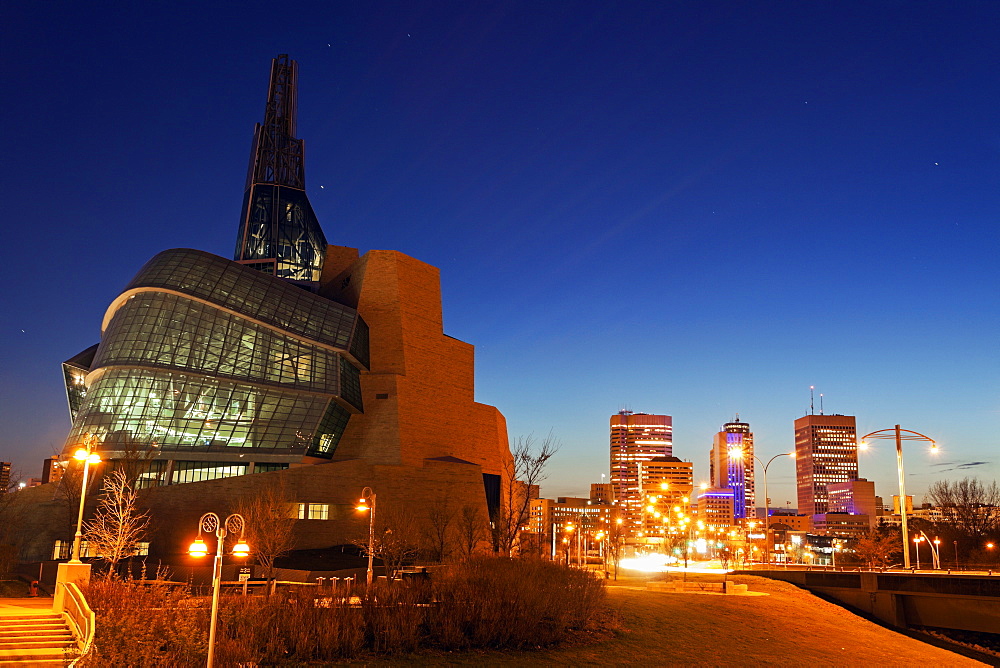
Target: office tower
<point x="716" y="507"/>
<point x="668" y="484"/>
<point x="826" y="451"/>
<point x="732" y="465"/>
<point x="52" y="470"/>
<point x="4" y="476"/>
<point x="636" y="438"/>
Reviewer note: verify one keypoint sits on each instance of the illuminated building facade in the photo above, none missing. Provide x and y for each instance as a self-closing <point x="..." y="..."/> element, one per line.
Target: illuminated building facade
<point x="826" y="451"/>
<point x="732" y="465"/>
<point x="715" y="507"/>
<point x="636" y="439"/>
<point x="668" y="483"/>
<point x="299" y="365"/>
<point x="854" y="497"/>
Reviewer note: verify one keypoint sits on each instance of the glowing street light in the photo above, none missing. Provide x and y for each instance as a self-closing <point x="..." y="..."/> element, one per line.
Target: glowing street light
<point x="86" y="455"/>
<point x="900" y="435"/>
<point x="210" y="523"/>
<point x="768" y="547"/>
<point x="367" y="504"/>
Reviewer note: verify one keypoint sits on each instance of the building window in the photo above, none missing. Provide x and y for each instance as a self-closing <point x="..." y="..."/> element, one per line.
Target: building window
<point x="314" y="511"/>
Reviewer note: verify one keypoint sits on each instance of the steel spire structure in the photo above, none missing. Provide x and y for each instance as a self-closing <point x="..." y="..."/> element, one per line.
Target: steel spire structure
<point x="279" y="233"/>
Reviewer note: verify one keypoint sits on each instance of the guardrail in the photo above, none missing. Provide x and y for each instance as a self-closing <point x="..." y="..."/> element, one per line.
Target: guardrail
<point x="79" y="617"/>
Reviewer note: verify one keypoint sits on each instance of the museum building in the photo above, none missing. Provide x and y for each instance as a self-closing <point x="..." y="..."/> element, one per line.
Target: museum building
<point x="298" y="364"/>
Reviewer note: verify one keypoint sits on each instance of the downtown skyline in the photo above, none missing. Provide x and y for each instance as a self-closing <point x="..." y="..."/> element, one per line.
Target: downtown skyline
<point x="691" y="210"/>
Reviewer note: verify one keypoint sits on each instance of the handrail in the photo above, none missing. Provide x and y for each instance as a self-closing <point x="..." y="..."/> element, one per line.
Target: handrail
<point x="80" y="618"/>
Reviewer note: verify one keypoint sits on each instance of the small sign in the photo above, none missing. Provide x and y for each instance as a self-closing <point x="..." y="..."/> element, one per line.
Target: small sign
<point x="244" y="574"/>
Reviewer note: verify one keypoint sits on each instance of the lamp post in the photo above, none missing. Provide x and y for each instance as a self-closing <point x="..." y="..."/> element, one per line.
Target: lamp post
<point x="86" y="455"/>
<point x="210" y="523"/>
<point x="367" y="502"/>
<point x="916" y="548"/>
<point x="900" y="435"/>
<point x="767" y="504"/>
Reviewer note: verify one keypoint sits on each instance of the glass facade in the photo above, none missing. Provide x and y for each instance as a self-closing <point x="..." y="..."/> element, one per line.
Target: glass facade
<point x="280" y="235"/>
<point x="203" y="355"/>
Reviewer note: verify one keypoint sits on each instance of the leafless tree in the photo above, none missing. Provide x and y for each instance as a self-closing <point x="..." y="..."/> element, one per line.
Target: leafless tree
<point x="970" y="506"/>
<point x="269" y="523"/>
<point x="521" y="472"/>
<point x="12" y="512"/>
<point x="395" y="538"/>
<point x="876" y="548"/>
<point x="438" y="528"/>
<point x="118" y="525"/>
<point x="615" y="542"/>
<point x="471" y="529"/>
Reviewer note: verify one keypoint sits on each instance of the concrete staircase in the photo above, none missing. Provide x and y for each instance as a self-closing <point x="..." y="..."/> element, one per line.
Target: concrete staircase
<point x="37" y="639"/>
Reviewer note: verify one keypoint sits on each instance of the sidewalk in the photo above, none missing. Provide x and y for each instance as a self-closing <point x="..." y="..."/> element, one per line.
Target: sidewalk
<point x="25" y="606"/>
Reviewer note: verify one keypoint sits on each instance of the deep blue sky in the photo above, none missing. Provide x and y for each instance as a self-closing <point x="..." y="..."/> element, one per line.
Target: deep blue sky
<point x="692" y="208"/>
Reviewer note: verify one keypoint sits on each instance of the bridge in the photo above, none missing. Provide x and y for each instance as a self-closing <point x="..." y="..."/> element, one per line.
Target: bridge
<point x="969" y="602"/>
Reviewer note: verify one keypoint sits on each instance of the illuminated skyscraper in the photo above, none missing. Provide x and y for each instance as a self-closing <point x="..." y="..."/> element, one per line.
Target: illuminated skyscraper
<point x="826" y="451"/>
<point x="732" y="467"/>
<point x="636" y="438"/>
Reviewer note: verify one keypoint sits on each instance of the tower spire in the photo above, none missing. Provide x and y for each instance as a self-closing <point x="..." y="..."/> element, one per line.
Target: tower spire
<point x="279" y="233"/>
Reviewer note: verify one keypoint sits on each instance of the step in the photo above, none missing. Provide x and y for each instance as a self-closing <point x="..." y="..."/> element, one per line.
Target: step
<point x="39" y="641"/>
<point x="38" y="626"/>
<point x="32" y="633"/>
<point x="36" y="654"/>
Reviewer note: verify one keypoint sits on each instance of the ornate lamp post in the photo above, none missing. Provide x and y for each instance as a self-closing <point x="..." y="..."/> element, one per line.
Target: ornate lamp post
<point x="367" y="503"/>
<point x="210" y="523"/>
<point x="900" y="435"/>
<point x="86" y="455"/>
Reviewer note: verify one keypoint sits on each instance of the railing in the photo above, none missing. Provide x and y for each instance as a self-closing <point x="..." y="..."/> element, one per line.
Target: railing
<point x="79" y="617"/>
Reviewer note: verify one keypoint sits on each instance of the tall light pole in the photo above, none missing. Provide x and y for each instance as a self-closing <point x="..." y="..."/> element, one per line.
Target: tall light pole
<point x="768" y="546"/>
<point x="86" y="455"/>
<point x="210" y="523"/>
<point x="367" y="502"/>
<point x="900" y="435"/>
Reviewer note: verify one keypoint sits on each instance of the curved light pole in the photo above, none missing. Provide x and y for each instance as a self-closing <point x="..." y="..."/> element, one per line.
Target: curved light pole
<point x="86" y="455"/>
<point x="210" y="523"/>
<point x="367" y="503"/>
<point x="900" y="435"/>
<point x="768" y="547"/>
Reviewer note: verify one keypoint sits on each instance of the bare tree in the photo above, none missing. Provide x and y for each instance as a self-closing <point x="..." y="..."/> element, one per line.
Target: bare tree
<point x="12" y="526"/>
<point x="269" y="523"/>
<point x="471" y="530"/>
<point x="394" y="540"/>
<point x="521" y="472"/>
<point x="438" y="527"/>
<point x="876" y="548"/>
<point x="970" y="506"/>
<point x="118" y="526"/>
<point x="615" y="542"/>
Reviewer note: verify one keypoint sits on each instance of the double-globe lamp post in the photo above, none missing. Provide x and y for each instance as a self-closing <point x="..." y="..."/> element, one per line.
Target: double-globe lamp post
<point x="210" y="523"/>
<point x="367" y="503"/>
<point x="86" y="455"/>
<point x="900" y="435"/>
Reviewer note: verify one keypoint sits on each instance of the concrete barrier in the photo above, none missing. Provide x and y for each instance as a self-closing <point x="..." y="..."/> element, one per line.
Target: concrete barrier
<point x="695" y="587"/>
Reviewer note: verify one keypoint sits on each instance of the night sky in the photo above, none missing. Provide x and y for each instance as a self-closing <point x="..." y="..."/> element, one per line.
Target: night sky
<point x="691" y="208"/>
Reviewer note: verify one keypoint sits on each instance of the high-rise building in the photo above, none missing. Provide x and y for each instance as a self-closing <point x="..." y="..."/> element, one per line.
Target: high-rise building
<point x="826" y="451"/>
<point x="636" y="438"/>
<point x="732" y="465"/>
<point x="668" y="483"/>
<point x="300" y="366"/>
<point x="715" y="507"/>
<point x="4" y="476"/>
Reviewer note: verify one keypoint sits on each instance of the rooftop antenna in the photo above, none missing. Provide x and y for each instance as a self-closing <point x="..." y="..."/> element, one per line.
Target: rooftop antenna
<point x="811" y="407"/>
<point x="820" y="403"/>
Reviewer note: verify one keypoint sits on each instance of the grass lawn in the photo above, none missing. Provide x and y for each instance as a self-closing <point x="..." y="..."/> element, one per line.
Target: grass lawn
<point x="788" y="626"/>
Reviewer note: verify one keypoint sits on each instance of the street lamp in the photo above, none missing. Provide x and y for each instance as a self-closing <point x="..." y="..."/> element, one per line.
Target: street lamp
<point x="900" y="435"/>
<point x="367" y="502"/>
<point x="210" y="523"/>
<point x="916" y="546"/>
<point x="768" y="547"/>
<point x="86" y="455"/>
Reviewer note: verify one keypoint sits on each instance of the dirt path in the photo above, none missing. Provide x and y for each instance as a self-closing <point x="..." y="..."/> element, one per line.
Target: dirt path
<point x="787" y="627"/>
